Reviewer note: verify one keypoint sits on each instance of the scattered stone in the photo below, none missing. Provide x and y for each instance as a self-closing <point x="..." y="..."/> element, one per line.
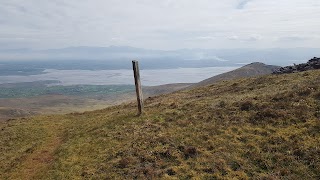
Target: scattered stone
<point x="313" y="63"/>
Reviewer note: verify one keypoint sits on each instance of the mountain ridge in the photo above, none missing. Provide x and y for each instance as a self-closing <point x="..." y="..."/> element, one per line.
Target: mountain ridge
<point x="249" y="70"/>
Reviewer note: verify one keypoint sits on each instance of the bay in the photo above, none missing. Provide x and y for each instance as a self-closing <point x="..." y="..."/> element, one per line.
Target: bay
<point x="149" y="77"/>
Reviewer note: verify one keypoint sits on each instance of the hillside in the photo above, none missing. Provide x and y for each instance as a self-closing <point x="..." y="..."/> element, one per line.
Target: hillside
<point x="250" y="70"/>
<point x="256" y="128"/>
<point x="163" y="89"/>
<point x="25" y="99"/>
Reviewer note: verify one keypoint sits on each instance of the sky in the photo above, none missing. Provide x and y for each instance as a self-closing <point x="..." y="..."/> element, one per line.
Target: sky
<point x="160" y="24"/>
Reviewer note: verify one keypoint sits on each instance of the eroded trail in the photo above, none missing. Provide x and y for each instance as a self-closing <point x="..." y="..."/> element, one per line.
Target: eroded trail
<point x="37" y="162"/>
<point x="39" y="140"/>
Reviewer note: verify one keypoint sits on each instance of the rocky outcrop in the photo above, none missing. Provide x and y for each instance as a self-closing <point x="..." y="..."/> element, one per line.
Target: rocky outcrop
<point x="313" y="63"/>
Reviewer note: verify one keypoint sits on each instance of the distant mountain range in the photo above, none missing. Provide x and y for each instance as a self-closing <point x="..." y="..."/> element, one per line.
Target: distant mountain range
<point x="168" y="59"/>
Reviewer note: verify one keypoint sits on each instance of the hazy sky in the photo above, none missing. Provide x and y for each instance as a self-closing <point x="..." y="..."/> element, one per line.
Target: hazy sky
<point x="160" y="24"/>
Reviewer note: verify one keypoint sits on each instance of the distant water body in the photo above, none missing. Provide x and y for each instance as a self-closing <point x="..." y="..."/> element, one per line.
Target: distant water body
<point x="122" y="76"/>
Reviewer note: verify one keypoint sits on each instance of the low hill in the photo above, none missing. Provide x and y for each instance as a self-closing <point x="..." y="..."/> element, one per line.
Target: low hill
<point x="250" y="70"/>
<point x="25" y="99"/>
<point x="7" y="113"/>
<point x="163" y="89"/>
<point x="255" y="128"/>
<point x="56" y="104"/>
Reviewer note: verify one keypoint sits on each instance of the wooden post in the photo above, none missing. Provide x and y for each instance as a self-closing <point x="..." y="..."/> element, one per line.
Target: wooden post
<point x="137" y="82"/>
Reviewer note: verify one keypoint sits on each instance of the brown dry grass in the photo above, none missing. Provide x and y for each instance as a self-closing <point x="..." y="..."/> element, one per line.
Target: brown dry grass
<point x="257" y="128"/>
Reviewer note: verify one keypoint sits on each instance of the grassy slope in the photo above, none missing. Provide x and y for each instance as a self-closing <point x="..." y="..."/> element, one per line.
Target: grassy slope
<point x="266" y="127"/>
<point x="37" y="98"/>
<point x="250" y="70"/>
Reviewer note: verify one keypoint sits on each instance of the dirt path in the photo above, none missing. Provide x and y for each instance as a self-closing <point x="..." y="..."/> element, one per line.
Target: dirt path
<point x="40" y="159"/>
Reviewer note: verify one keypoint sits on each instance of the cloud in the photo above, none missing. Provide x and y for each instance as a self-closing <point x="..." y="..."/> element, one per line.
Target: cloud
<point x="254" y="37"/>
<point x="167" y="24"/>
<point x="233" y="37"/>
<point x="249" y="38"/>
<point x="205" y="38"/>
<point x="294" y="38"/>
<point x="242" y="4"/>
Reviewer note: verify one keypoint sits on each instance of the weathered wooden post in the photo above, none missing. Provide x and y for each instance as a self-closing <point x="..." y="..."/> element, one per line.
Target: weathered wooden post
<point x="137" y="82"/>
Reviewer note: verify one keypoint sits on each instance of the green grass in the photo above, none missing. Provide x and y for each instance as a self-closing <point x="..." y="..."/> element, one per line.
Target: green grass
<point x="257" y="128"/>
<point x="31" y="90"/>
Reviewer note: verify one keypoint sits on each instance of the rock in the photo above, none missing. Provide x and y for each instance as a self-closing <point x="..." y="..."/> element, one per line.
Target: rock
<point x="313" y="63"/>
